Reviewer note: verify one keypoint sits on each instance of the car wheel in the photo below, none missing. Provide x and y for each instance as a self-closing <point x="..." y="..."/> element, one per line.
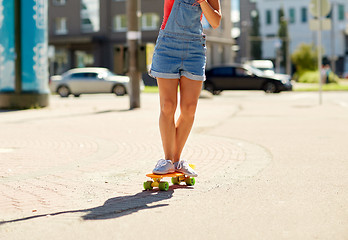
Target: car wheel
<point x="63" y="91"/>
<point x="77" y="95"/>
<point x="209" y="87"/>
<point x="270" y="87"/>
<point x="217" y="92"/>
<point x="119" y="90"/>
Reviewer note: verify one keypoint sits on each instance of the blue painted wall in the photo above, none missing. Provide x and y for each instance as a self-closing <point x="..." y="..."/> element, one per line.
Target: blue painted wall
<point x="34" y="46"/>
<point x="7" y="46"/>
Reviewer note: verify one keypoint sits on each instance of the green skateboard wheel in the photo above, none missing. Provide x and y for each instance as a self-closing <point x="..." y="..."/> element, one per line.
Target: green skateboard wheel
<point x="148" y="185"/>
<point x="163" y="186"/>
<point x="190" y="181"/>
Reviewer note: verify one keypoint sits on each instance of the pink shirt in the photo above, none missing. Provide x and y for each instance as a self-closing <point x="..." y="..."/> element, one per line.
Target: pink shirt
<point x="168" y="5"/>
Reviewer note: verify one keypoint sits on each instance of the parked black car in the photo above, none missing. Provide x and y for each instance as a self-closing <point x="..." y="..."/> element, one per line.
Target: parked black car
<point x="243" y="77"/>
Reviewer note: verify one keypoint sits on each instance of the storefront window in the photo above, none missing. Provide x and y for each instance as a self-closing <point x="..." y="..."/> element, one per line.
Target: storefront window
<point x="90" y="16"/>
<point x="83" y="59"/>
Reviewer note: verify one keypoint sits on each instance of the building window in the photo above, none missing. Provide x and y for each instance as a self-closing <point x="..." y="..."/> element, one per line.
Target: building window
<point x="59" y="2"/>
<point x="83" y="59"/>
<point x="268" y="17"/>
<point x="120" y="23"/>
<point x="150" y="21"/>
<point x="61" y="26"/>
<point x="90" y="17"/>
<point x="292" y="15"/>
<point x="341" y="12"/>
<point x="304" y="15"/>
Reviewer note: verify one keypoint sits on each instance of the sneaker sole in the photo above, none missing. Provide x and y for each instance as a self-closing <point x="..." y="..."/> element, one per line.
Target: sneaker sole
<point x="189" y="175"/>
<point x="156" y="172"/>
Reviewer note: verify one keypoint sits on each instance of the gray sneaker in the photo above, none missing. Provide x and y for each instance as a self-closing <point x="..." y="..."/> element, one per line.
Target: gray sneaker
<point x="163" y="167"/>
<point x="183" y="167"/>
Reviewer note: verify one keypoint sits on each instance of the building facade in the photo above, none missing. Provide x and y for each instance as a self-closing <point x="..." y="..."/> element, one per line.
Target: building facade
<point x="220" y="43"/>
<point x="246" y="7"/>
<point x="85" y="32"/>
<point x="298" y="16"/>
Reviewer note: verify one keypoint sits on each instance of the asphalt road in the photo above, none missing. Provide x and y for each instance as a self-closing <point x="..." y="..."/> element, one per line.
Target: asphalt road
<point x="271" y="166"/>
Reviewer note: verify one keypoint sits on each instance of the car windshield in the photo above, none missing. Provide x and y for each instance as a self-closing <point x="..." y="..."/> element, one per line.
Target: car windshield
<point x="254" y="70"/>
<point x="109" y="73"/>
<point x="105" y="74"/>
<point x="265" y="69"/>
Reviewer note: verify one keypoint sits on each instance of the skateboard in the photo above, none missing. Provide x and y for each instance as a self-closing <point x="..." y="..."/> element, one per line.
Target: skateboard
<point x="177" y="178"/>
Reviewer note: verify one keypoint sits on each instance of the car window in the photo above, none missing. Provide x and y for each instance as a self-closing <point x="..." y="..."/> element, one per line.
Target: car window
<point x="84" y="75"/>
<point x="223" y="71"/>
<point x="241" y="72"/>
<point x="91" y="75"/>
<point x="77" y="75"/>
<point x="254" y="70"/>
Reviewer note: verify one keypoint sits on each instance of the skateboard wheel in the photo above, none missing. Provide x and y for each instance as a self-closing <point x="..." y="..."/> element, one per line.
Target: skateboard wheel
<point x="175" y="180"/>
<point x="148" y="185"/>
<point x="163" y="186"/>
<point x="190" y="181"/>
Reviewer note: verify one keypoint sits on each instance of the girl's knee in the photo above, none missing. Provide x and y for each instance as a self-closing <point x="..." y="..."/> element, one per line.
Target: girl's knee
<point x="168" y="108"/>
<point x="188" y="109"/>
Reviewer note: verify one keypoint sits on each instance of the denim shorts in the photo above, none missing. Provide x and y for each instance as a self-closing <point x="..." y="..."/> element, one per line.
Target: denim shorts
<point x="179" y="55"/>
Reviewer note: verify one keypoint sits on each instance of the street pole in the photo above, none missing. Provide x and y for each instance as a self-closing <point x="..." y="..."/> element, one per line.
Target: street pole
<point x="133" y="37"/>
<point x="320" y="61"/>
<point x="333" y="38"/>
<point x="288" y="57"/>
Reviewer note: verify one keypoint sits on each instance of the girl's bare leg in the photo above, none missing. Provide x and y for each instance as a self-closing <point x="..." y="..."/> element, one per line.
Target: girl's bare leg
<point x="189" y="94"/>
<point x="168" y="92"/>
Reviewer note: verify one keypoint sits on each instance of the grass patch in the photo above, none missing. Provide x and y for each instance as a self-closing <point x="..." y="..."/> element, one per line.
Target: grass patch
<point x="325" y="87"/>
<point x="150" y="89"/>
<point x="313" y="77"/>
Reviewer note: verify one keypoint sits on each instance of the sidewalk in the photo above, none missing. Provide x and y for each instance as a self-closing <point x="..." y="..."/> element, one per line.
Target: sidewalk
<point x="75" y="170"/>
<point x="301" y="86"/>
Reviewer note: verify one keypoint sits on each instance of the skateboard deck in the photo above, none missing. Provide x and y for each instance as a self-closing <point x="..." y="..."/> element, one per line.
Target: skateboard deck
<point x="177" y="178"/>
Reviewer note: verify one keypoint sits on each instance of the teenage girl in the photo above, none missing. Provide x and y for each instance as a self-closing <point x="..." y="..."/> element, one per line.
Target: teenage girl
<point x="179" y="59"/>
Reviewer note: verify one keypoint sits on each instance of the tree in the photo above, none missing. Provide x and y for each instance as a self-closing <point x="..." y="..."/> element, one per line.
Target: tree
<point x="305" y="58"/>
<point x="283" y="35"/>
<point x="256" y="43"/>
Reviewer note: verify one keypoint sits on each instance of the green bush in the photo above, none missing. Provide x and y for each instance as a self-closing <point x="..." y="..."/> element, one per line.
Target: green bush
<point x="313" y="77"/>
<point x="333" y="78"/>
<point x="305" y="58"/>
<point x="309" y="77"/>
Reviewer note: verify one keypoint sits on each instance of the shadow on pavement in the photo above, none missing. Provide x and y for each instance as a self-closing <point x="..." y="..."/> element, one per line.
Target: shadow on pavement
<point x="113" y="207"/>
<point x="8" y="110"/>
<point x="121" y="206"/>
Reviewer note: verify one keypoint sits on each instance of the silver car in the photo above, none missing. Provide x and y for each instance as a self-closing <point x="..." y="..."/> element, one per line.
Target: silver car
<point x="89" y="80"/>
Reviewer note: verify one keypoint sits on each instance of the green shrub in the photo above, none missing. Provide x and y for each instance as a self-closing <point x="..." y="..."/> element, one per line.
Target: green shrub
<point x="305" y="58"/>
<point x="313" y="77"/>
<point x="308" y="77"/>
<point x="333" y="78"/>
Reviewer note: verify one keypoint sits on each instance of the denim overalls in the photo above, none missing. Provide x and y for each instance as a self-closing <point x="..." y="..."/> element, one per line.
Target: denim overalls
<point x="181" y="46"/>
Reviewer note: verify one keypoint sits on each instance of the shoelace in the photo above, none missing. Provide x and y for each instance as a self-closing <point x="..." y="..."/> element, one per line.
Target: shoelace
<point x="161" y="163"/>
<point x="182" y="164"/>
